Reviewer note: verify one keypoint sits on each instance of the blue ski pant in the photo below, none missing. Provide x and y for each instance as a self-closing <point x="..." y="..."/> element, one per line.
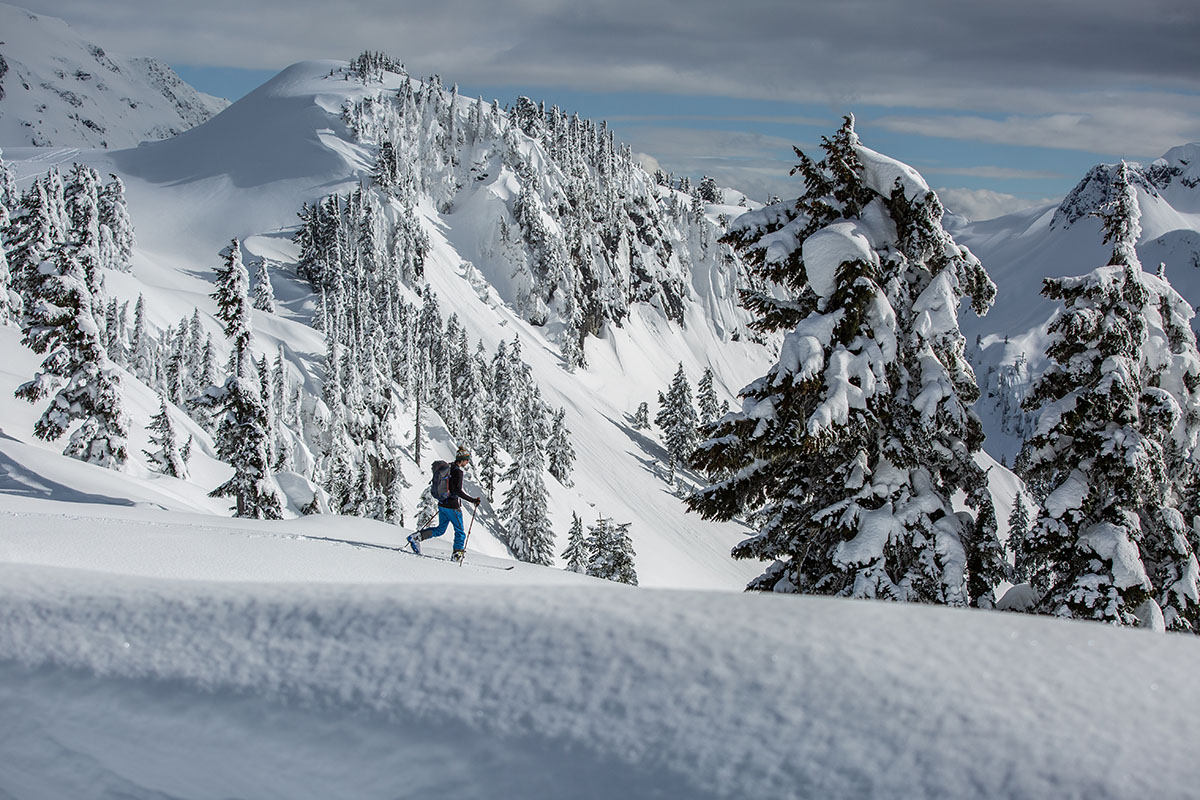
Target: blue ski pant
<point x="448" y="516"/>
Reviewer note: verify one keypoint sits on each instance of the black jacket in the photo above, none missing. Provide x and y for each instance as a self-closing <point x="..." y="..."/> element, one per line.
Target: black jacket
<point x="456" y="490"/>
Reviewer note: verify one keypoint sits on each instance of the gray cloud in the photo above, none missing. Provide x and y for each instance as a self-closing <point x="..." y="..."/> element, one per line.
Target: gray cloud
<point x="1134" y="127"/>
<point x="1105" y="76"/>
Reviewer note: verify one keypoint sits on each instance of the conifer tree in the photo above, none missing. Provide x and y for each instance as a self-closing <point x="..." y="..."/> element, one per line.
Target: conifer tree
<point x="641" y="417"/>
<point x="115" y="225"/>
<point x="872" y="387"/>
<point x="81" y="204"/>
<point x="60" y="321"/>
<point x="10" y="302"/>
<point x="559" y="452"/>
<point x="242" y="435"/>
<point x="611" y="552"/>
<point x="140" y="354"/>
<point x="1018" y="530"/>
<point x="489" y="454"/>
<point x="677" y="419"/>
<point x="524" y="510"/>
<point x="706" y="398"/>
<point x="33" y="234"/>
<point x="576" y="553"/>
<point x="1112" y="453"/>
<point x="167" y="458"/>
<point x="264" y="293"/>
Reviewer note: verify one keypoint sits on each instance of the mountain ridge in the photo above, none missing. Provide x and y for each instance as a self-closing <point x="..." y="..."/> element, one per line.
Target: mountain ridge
<point x="59" y="90"/>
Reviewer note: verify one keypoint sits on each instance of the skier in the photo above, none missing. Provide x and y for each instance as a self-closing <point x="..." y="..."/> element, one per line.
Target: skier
<point x="449" y="510"/>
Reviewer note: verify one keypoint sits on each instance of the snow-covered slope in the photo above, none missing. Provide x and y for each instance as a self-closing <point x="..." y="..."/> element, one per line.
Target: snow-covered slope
<point x="1052" y="241"/>
<point x="163" y="655"/>
<point x="246" y="174"/>
<point x="58" y="90"/>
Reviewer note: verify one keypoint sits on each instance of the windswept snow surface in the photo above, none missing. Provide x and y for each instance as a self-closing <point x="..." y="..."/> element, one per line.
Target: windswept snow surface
<point x="209" y="658"/>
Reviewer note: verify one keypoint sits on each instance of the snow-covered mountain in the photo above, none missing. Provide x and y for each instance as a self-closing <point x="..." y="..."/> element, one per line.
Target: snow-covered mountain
<point x="513" y="252"/>
<point x="59" y="90"/>
<point x="150" y="646"/>
<point x="1021" y="249"/>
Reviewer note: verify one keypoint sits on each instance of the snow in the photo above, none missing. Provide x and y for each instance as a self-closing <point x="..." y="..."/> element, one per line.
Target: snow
<point x="1021" y="249"/>
<point x="1112" y="543"/>
<point x="829" y="248"/>
<point x="199" y="657"/>
<point x="246" y="172"/>
<point x="880" y="173"/>
<point x="62" y="91"/>
<point x="150" y="646"/>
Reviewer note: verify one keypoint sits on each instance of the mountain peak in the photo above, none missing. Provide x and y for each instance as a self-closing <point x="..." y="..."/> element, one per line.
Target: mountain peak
<point x="59" y="90"/>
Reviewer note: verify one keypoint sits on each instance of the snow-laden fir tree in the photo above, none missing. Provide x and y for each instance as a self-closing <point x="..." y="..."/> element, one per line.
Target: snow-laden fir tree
<point x="849" y="451"/>
<point x="560" y="455"/>
<point x="264" y="293"/>
<point x="116" y="229"/>
<point x="641" y="417"/>
<point x="10" y="302"/>
<point x="706" y="399"/>
<point x="167" y="457"/>
<point x="1018" y="529"/>
<point x="243" y="434"/>
<point x="81" y="202"/>
<point x="576" y="553"/>
<point x="677" y="419"/>
<point x="32" y="234"/>
<point x="9" y="196"/>
<point x="489" y="453"/>
<point x="524" y="510"/>
<point x="1113" y="452"/>
<point x="610" y="552"/>
<point x="60" y="322"/>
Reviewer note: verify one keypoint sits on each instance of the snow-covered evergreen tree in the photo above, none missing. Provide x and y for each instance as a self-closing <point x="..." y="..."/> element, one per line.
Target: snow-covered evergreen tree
<point x="576" y="553"/>
<point x="243" y="433"/>
<point x="167" y="457"/>
<point x="116" y="229"/>
<point x="264" y="293"/>
<point x="33" y="233"/>
<point x="60" y="321"/>
<point x="677" y="419"/>
<point x="849" y="451"/>
<point x="611" y="552"/>
<point x="559" y="452"/>
<point x="706" y="398"/>
<point x="1018" y="525"/>
<point x="524" y="510"/>
<point x="1113" y="452"/>
<point x="641" y="417"/>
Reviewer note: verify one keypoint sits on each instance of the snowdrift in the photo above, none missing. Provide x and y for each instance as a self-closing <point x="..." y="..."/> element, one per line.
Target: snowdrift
<point x="308" y="681"/>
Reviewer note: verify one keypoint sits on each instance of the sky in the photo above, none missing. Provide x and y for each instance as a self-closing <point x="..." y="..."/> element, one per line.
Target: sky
<point x="1001" y="105"/>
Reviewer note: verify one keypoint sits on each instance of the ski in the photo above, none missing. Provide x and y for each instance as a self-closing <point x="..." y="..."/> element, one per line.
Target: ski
<point x="449" y="560"/>
<point x="406" y="551"/>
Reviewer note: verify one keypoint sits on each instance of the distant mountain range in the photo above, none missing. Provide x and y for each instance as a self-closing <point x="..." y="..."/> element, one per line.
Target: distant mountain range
<point x="59" y="90"/>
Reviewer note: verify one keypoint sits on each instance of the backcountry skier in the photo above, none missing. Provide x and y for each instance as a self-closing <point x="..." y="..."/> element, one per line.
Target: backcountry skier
<point x="449" y="507"/>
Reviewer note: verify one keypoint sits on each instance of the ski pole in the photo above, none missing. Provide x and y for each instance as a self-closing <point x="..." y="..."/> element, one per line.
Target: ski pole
<point x="467" y="538"/>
